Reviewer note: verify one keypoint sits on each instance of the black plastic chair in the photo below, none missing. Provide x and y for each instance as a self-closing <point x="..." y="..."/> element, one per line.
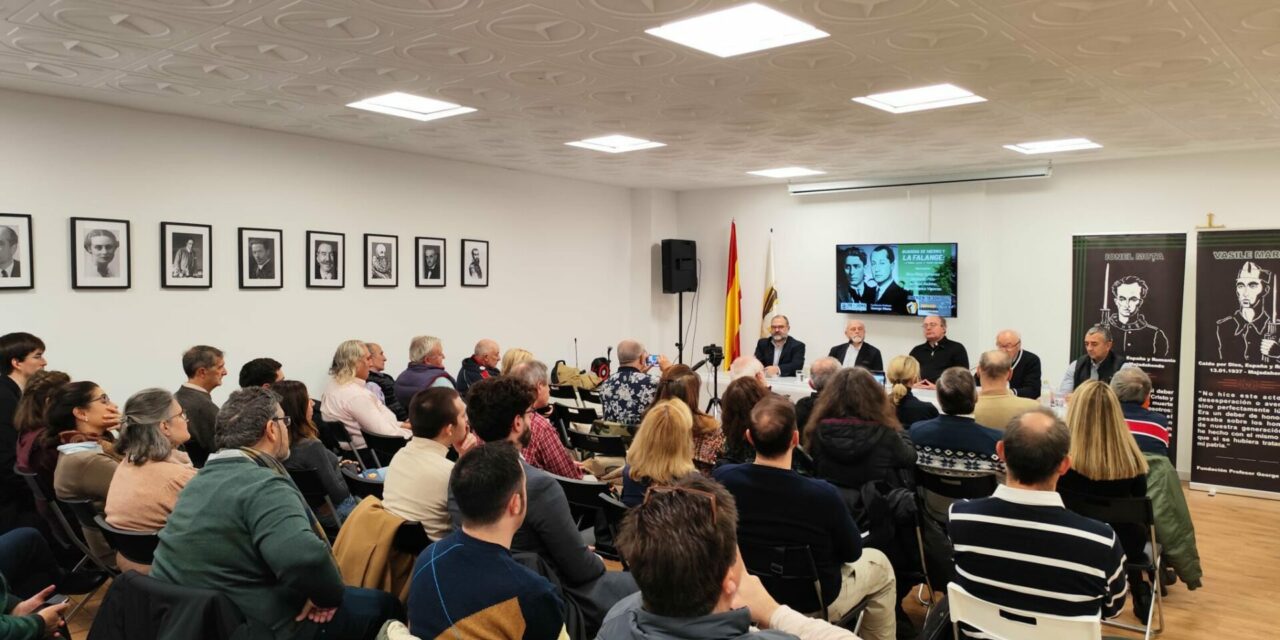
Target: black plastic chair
<point x="411" y="538"/>
<point x="359" y="485"/>
<point x="614" y="512"/>
<point x="584" y="500"/>
<point x="312" y="489"/>
<point x="384" y="447"/>
<point x="566" y="392"/>
<point x="585" y="416"/>
<point x="589" y="396"/>
<point x="136" y="546"/>
<point x="335" y="437"/>
<point x="782" y="566"/>
<point x="939" y="490"/>
<point x="1127" y="511"/>
<point x="55" y="521"/>
<point x="611" y="446"/>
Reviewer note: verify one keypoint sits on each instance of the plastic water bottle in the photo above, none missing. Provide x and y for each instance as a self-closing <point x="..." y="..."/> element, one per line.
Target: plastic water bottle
<point x="1046" y="393"/>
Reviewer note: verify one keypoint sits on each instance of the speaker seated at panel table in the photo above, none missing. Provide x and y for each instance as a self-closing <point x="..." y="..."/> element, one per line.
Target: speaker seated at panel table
<point x="679" y="266"/>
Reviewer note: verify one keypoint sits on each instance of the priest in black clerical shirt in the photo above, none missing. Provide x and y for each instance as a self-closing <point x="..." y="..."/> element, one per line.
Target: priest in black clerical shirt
<point x="937" y="353"/>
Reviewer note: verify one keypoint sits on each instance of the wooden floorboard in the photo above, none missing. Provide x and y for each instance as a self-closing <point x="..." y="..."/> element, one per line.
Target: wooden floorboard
<point x="1239" y="551"/>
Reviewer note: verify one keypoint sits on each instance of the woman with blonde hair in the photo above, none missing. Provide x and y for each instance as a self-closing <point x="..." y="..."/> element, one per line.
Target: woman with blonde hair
<point x="904" y="373"/>
<point x="349" y="401"/>
<point x="513" y="357"/>
<point x="680" y="382"/>
<point x="661" y="452"/>
<point x="1106" y="462"/>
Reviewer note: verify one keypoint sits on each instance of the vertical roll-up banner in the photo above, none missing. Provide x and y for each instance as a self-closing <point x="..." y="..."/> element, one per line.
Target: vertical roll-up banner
<point x="1237" y="401"/>
<point x="1133" y="284"/>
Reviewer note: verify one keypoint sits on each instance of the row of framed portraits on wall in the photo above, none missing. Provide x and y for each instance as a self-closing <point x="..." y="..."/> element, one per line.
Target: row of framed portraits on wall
<point x="101" y="252"/>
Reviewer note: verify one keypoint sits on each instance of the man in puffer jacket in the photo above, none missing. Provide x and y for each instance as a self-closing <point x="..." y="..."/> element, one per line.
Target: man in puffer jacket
<point x="1174" y="530"/>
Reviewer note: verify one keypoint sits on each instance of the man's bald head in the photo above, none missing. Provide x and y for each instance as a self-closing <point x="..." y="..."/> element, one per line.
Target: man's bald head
<point x="486" y="353"/>
<point x="994" y="368"/>
<point x="629" y="352"/>
<point x="1034" y="446"/>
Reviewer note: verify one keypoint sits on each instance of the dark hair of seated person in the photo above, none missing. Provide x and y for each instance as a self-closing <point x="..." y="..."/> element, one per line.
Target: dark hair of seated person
<point x="431" y="410"/>
<point x="735" y="409"/>
<point x="259" y="372"/>
<point x="852" y="393"/>
<point x="1035" y="443"/>
<point x="494" y="403"/>
<point x="956" y="391"/>
<point x="483" y="481"/>
<point x="773" y="421"/>
<point x="294" y="399"/>
<point x="17" y="346"/>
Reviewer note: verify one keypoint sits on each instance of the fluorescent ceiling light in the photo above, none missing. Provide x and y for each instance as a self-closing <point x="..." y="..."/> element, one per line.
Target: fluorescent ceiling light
<point x="738" y="30"/>
<point x="407" y="105"/>
<point x="1053" y="146"/>
<point x="786" y="172"/>
<point x="920" y="98"/>
<point x="616" y="144"/>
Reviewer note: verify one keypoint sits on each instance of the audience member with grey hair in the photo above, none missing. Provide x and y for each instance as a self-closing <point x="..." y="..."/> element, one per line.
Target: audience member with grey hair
<point x="241" y="516"/>
<point x="954" y="442"/>
<point x="1025" y="381"/>
<point x="627" y="394"/>
<point x="145" y="486"/>
<point x="349" y="401"/>
<point x="997" y="403"/>
<point x="545" y="450"/>
<point x="1099" y="362"/>
<point x="425" y="370"/>
<point x="1151" y="429"/>
<point x="381" y="383"/>
<point x="819" y="373"/>
<point x="205" y="368"/>
<point x="481" y="365"/>
<point x="745" y="366"/>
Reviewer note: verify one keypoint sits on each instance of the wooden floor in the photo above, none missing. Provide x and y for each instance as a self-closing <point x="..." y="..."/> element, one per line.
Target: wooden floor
<point x="1239" y="541"/>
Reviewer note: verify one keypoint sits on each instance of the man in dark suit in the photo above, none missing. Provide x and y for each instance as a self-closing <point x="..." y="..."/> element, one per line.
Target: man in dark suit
<point x="888" y="296"/>
<point x="431" y="263"/>
<point x="856" y="352"/>
<point x="1025" y="381"/>
<point x="326" y="262"/>
<point x="9" y="267"/>
<point x="853" y="293"/>
<point x="938" y="352"/>
<point x="781" y="354"/>
<point x="262" y="264"/>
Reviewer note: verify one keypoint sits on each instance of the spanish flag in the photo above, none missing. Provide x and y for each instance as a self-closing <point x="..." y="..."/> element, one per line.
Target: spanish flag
<point x="732" y="302"/>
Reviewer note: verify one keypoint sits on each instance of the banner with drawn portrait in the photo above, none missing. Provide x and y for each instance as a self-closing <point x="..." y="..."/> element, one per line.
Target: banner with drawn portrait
<point x="1237" y="402"/>
<point x="1133" y="284"/>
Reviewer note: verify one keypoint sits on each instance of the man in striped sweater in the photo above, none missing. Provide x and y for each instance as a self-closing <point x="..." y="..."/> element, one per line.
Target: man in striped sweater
<point x="1021" y="549"/>
<point x="1150" y="429"/>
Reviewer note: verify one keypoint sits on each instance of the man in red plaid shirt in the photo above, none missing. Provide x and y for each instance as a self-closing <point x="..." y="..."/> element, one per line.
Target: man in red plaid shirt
<point x="545" y="450"/>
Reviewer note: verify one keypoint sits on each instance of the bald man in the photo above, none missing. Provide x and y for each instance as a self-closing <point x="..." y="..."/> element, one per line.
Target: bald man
<point x="1025" y="381"/>
<point x="482" y="364"/>
<point x="856" y="352"/>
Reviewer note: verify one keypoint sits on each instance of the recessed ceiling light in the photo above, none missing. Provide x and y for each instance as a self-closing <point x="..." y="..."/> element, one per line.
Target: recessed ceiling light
<point x="787" y="172"/>
<point x="1052" y="146"/>
<point x="920" y="98"/>
<point x="738" y="30"/>
<point x="616" y="144"/>
<point x="407" y="105"/>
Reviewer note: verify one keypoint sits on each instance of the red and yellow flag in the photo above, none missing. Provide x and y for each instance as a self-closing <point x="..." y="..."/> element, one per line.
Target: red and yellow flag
<point x="732" y="302"/>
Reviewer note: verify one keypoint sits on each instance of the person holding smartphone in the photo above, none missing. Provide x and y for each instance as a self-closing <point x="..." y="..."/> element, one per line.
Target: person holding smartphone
<point x="39" y="616"/>
<point x="626" y="394"/>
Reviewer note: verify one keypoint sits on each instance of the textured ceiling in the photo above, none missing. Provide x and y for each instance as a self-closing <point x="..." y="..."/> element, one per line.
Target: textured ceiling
<point x="1142" y="77"/>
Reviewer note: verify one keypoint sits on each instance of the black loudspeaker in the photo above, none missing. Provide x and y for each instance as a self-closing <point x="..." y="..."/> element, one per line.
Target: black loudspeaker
<point x="679" y="266"/>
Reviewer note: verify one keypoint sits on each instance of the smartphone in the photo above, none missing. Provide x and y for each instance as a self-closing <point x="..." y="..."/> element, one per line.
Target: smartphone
<point x="54" y="600"/>
<point x="652" y="361"/>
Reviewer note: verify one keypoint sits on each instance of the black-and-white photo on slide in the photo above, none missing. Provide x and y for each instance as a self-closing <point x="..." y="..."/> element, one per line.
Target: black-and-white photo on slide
<point x="381" y="260"/>
<point x="260" y="256"/>
<point x="186" y="255"/>
<point x="326" y="260"/>
<point x="15" y="252"/>
<point x="475" y="263"/>
<point x="429" y="258"/>
<point x="100" y="251"/>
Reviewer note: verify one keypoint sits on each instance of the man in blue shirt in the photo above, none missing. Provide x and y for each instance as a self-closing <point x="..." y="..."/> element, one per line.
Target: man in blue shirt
<point x="1150" y="429"/>
<point x="954" y="442"/>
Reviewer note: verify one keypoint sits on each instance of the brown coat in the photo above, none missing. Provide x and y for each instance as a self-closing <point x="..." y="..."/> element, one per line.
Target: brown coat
<point x="365" y="553"/>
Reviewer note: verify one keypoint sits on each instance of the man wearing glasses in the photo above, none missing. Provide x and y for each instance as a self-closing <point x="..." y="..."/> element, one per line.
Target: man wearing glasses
<point x="938" y="352"/>
<point x="1026" y="381"/>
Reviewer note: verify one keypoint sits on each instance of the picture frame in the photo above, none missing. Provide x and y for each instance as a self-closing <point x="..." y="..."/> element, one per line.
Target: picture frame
<point x="186" y="255"/>
<point x="475" y="263"/>
<point x="101" y="251"/>
<point x="429" y="261"/>
<point x="17" y="269"/>
<point x="381" y="261"/>
<point x="260" y="258"/>
<point x="326" y="260"/>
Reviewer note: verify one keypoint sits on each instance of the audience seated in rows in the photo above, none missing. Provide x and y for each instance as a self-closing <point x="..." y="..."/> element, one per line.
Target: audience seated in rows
<point x="627" y="394"/>
<point x="261" y="372"/>
<point x="81" y="417"/>
<point x="682" y="545"/>
<point x="545" y="449"/>
<point x="205" y="367"/>
<point x="854" y="437"/>
<point x="779" y="507"/>
<point x="1132" y="387"/>
<point x="307" y="452"/>
<point x="30" y="418"/>
<point x="467" y="585"/>
<point x="499" y="409"/>
<point x="21" y="356"/>
<point x="482" y="364"/>
<point x="938" y="352"/>
<point x="153" y="471"/>
<point x="425" y="370"/>
<point x="997" y="403"/>
<point x="661" y="452"/>
<point x="747" y="367"/>
<point x="953" y="443"/>
<point x="381" y="383"/>
<point x="735" y="415"/>
<point x="819" y="373"/>
<point x="417" y="483"/>
<point x="241" y="527"/>
<point x="1106" y="462"/>
<point x="903" y="375"/>
<point x="1021" y="549"/>
<point x="348" y="401"/>
<point x="679" y="381"/>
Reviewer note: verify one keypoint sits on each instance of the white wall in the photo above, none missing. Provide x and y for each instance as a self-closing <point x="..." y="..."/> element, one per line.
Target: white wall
<point x="558" y="247"/>
<point x="1015" y="246"/>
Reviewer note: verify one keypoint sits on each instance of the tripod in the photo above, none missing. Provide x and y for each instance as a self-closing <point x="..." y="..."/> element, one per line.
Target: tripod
<point x="713" y="405"/>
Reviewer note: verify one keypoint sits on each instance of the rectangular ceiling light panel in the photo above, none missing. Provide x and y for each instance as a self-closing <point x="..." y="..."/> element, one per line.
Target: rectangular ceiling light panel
<point x="738" y="30"/>
<point x="407" y="105"/>
<point x="1053" y="146"/>
<point x="616" y="144"/>
<point x="920" y="98"/>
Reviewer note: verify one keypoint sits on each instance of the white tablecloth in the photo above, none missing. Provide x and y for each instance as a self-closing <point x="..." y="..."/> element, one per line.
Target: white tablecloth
<point x="791" y="387"/>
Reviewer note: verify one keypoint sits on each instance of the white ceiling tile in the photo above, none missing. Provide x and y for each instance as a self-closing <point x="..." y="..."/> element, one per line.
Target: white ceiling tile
<point x="121" y="23"/>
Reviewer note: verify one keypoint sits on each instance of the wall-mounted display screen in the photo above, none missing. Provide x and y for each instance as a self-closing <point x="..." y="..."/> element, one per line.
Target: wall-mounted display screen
<point x="897" y="279"/>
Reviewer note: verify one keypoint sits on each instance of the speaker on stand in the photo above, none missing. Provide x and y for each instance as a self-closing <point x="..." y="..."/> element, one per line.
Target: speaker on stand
<point x="679" y="275"/>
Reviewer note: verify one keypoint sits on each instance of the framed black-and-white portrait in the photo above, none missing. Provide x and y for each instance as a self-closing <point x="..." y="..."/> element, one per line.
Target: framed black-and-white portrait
<point x="260" y="258"/>
<point x="475" y="263"/>
<point x="16" y="266"/>
<point x="381" y="260"/>
<point x="326" y="260"/>
<point x="100" y="254"/>
<point x="186" y="255"/>
<point x="429" y="259"/>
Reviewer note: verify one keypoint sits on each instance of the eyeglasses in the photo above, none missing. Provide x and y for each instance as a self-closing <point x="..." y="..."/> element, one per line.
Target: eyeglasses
<point x="104" y="399"/>
<point x="180" y="414"/>
<point x="284" y="420"/>
<point x="663" y="489"/>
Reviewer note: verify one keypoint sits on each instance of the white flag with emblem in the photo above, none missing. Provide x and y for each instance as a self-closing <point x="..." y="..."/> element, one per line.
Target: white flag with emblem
<point x="770" y="293"/>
